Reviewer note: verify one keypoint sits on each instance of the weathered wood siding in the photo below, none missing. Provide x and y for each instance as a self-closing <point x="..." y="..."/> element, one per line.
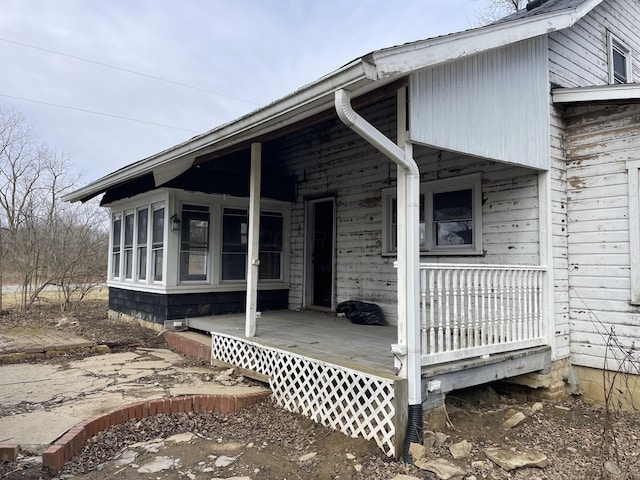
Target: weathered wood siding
<point x="600" y="140"/>
<point x="329" y="159"/>
<point x="579" y="57"/>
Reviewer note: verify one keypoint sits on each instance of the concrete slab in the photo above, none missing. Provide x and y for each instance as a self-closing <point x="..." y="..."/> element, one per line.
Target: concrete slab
<point x="72" y="392"/>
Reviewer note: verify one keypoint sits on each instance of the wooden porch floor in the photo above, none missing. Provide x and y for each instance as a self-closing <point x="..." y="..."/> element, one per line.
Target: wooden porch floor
<point x="317" y="335"/>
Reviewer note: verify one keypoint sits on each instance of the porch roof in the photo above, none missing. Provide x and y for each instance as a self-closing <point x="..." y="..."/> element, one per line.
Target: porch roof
<point x="360" y="76"/>
<point x="627" y="93"/>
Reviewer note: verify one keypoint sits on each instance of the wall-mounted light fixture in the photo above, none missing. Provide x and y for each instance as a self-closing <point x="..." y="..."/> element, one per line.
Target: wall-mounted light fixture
<point x="175" y="222"/>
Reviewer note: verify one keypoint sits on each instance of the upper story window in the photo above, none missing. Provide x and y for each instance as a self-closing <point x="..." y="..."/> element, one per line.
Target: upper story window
<point x="194" y="243"/>
<point x="450" y="217"/>
<point x="620" y="66"/>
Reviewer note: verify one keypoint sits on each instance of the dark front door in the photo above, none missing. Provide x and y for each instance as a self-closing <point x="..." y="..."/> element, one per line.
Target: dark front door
<point x="320" y="253"/>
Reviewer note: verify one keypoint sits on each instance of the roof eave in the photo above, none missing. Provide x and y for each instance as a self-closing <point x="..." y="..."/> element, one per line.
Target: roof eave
<point x="435" y="51"/>
<point x="302" y="103"/>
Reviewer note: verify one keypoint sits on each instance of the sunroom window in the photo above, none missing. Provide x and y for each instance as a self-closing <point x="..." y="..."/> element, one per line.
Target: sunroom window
<point x="157" y="243"/>
<point x="194" y="243"/>
<point x="128" y="245"/>
<point x="143" y="227"/>
<point x="235" y="237"/>
<point x="115" y="250"/>
<point x="450" y="217"/>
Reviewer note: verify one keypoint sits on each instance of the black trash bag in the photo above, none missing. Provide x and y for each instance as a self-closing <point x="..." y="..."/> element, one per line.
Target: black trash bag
<point x="361" y="313"/>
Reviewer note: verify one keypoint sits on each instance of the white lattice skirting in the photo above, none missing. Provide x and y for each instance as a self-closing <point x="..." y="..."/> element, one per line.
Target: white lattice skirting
<point x="355" y="403"/>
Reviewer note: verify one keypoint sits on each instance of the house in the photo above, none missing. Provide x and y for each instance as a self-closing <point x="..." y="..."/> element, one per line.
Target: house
<point x="480" y="187"/>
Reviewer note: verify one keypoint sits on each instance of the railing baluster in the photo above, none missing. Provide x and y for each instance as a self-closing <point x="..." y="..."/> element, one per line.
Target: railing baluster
<point x="483" y="310"/>
<point x="440" y="343"/>
<point x="432" y="313"/>
<point x="455" y="293"/>
<point x="447" y="318"/>
<point x="501" y="331"/>
<point x="423" y="311"/>
<point x="476" y="302"/>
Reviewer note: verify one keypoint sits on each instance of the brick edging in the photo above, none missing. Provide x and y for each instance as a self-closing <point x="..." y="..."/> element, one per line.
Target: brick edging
<point x="63" y="449"/>
<point x="187" y="346"/>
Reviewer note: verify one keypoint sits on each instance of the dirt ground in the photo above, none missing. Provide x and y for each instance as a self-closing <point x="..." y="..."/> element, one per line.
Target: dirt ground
<point x="265" y="442"/>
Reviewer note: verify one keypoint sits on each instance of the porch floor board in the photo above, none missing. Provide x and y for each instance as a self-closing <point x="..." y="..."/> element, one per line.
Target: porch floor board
<point x="318" y="335"/>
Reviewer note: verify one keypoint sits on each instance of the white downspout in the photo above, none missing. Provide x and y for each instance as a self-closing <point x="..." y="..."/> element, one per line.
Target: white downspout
<point x="409" y="251"/>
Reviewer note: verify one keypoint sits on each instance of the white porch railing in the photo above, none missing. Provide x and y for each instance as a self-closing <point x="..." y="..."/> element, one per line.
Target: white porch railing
<point x="475" y="310"/>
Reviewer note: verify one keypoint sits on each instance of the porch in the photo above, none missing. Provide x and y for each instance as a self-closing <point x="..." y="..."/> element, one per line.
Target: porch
<point x="479" y="323"/>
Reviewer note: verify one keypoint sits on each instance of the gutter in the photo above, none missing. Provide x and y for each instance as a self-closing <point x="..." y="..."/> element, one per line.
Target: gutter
<point x="408" y="253"/>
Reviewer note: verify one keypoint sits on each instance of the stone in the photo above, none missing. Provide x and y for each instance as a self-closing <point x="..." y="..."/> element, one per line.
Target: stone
<point x="307" y="457"/>
<point x="514" y="420"/>
<point x="417" y="451"/>
<point x="158" y="464"/>
<point x="429" y="440"/>
<point x="536" y="407"/>
<point x="461" y="450"/>
<point x="611" y="471"/>
<point x="224" y="461"/>
<point x="351" y="456"/>
<point x="510" y="460"/>
<point x="443" y="469"/>
<point x="181" y="437"/>
<point x="441" y="438"/>
<point x="358" y="468"/>
<point x="404" y="477"/>
<point x="127" y="457"/>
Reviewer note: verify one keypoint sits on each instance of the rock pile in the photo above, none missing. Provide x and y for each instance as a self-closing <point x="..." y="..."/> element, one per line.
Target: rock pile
<point x="459" y="467"/>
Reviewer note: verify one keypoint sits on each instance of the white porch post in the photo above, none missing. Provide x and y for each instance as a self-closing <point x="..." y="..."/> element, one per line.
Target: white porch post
<point x="253" y="247"/>
<point x="546" y="256"/>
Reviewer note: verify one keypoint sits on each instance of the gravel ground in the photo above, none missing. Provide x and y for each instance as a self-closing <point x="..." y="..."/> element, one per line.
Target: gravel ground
<point x="273" y="444"/>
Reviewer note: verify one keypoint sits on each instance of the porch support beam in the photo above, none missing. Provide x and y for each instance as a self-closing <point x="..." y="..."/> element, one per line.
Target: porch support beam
<point x="546" y="256"/>
<point x="253" y="247"/>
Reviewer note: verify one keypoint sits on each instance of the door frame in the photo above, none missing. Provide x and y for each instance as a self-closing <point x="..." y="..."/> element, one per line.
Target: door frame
<point x="309" y="234"/>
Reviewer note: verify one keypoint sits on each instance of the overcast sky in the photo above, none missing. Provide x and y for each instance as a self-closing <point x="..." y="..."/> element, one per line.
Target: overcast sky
<point x="233" y="55"/>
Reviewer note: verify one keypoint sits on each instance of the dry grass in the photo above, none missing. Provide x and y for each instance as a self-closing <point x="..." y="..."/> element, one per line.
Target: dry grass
<point x="11" y="300"/>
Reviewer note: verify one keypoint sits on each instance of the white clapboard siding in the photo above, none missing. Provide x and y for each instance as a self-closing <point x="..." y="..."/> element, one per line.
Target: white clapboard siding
<point x="328" y="159"/>
<point x="600" y="140"/>
<point x="578" y="56"/>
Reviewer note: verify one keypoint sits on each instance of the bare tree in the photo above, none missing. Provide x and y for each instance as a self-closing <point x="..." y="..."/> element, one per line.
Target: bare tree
<point x="498" y="9"/>
<point x="44" y="242"/>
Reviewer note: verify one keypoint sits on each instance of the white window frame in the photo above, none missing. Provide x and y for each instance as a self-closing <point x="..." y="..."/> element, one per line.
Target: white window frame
<point x="427" y="190"/>
<point x="134" y="250"/>
<point x="615" y="44"/>
<point x="208" y="266"/>
<point x="633" y="179"/>
<point x="264" y="210"/>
